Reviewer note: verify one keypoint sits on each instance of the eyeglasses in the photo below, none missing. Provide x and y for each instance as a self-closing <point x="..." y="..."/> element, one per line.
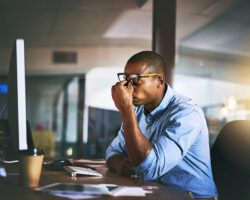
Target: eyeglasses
<point x="134" y="78"/>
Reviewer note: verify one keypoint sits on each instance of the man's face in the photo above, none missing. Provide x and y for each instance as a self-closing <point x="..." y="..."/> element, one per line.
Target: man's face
<point x="146" y="92"/>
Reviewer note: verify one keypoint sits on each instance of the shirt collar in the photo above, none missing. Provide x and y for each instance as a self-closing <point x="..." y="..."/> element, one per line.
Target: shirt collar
<point x="164" y="103"/>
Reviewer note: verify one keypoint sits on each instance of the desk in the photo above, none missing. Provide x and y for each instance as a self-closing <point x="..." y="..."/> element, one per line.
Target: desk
<point x="10" y="189"/>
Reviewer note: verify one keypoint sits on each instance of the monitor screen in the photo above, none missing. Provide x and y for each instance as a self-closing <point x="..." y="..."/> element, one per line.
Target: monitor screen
<point x="14" y="127"/>
<point x="17" y="97"/>
<point x="3" y="88"/>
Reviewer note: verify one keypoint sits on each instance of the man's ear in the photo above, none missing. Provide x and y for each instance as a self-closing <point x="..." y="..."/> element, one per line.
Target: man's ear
<point x="161" y="81"/>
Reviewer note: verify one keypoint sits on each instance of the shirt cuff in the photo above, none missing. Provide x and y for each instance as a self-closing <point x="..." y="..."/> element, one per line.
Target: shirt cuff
<point x="110" y="154"/>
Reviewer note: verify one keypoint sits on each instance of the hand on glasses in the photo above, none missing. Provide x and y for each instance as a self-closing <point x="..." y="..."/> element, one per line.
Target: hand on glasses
<point x="134" y="78"/>
<point x="123" y="96"/>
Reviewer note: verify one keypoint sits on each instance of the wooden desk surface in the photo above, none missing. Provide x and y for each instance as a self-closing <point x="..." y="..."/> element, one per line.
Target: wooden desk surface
<point x="10" y="188"/>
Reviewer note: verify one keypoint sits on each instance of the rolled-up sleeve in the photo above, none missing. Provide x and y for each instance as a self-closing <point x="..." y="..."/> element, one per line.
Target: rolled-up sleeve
<point x="178" y="134"/>
<point x="117" y="146"/>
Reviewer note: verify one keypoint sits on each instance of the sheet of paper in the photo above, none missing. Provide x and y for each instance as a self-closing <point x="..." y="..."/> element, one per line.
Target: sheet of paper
<point x="130" y="191"/>
<point x="76" y="191"/>
<point x="74" y="196"/>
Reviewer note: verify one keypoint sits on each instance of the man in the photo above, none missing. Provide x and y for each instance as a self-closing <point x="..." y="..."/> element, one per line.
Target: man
<point x="165" y="137"/>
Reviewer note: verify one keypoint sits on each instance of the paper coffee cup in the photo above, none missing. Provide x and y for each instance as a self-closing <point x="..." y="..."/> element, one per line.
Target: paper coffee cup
<point x="30" y="167"/>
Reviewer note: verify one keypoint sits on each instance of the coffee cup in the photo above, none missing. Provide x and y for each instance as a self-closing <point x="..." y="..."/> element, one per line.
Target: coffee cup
<point x="30" y="167"/>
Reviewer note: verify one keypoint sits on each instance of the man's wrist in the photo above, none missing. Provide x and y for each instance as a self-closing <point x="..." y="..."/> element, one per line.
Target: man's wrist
<point x="126" y="112"/>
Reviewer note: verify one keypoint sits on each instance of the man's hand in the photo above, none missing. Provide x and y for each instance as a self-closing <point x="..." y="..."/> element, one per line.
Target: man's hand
<point x="137" y="145"/>
<point x="124" y="168"/>
<point x="120" y="165"/>
<point x="122" y="94"/>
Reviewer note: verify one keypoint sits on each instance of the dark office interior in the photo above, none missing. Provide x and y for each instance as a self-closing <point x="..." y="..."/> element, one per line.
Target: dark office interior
<point x="73" y="50"/>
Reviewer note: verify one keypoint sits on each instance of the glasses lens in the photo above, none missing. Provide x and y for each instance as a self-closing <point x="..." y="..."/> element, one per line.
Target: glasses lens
<point x="121" y="77"/>
<point x="134" y="78"/>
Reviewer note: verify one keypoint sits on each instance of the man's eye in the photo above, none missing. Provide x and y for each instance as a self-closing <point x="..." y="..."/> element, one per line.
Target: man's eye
<point x="134" y="79"/>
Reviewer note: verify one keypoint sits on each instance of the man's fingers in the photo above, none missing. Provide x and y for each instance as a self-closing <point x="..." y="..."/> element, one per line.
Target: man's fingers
<point x="121" y="83"/>
<point x="130" y="86"/>
<point x="128" y="167"/>
<point x="124" y="84"/>
<point x="112" y="89"/>
<point x="126" y="170"/>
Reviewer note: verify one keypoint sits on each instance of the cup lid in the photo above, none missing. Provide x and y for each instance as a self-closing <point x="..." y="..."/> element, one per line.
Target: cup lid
<point x="34" y="152"/>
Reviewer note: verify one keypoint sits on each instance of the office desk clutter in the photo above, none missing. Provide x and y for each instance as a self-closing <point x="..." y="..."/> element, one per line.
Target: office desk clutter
<point x="78" y="171"/>
<point x="87" y="191"/>
<point x="57" y="164"/>
<point x="54" y="183"/>
<point x="76" y="191"/>
<point x="72" y="167"/>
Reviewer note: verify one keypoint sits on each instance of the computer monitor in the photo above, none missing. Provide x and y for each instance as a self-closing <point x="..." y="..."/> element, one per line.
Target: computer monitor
<point x="16" y="99"/>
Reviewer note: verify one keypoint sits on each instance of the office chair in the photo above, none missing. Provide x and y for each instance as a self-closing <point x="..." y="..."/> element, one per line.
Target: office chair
<point x="230" y="157"/>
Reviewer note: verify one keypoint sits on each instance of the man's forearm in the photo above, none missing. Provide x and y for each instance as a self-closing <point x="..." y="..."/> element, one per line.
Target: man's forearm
<point x="137" y="145"/>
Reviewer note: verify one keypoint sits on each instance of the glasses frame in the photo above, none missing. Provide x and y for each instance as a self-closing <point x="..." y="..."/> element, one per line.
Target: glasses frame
<point x="138" y="75"/>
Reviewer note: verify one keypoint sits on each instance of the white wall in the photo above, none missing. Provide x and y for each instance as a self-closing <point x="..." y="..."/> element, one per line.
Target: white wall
<point x="203" y="91"/>
<point x="39" y="60"/>
<point x="206" y="91"/>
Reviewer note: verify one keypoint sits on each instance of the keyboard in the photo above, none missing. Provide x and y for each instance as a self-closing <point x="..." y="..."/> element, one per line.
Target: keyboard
<point x="74" y="171"/>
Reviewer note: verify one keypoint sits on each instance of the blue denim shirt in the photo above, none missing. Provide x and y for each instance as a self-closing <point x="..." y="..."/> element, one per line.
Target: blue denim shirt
<point x="180" y="157"/>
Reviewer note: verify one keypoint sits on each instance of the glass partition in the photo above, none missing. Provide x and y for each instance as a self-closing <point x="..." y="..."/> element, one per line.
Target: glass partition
<point x="213" y="59"/>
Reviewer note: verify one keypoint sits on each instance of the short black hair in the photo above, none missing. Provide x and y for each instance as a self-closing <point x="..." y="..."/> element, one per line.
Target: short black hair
<point x="153" y="61"/>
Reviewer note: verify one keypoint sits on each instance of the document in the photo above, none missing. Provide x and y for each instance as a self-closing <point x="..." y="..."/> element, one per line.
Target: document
<point x="130" y="191"/>
<point x="71" y="190"/>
